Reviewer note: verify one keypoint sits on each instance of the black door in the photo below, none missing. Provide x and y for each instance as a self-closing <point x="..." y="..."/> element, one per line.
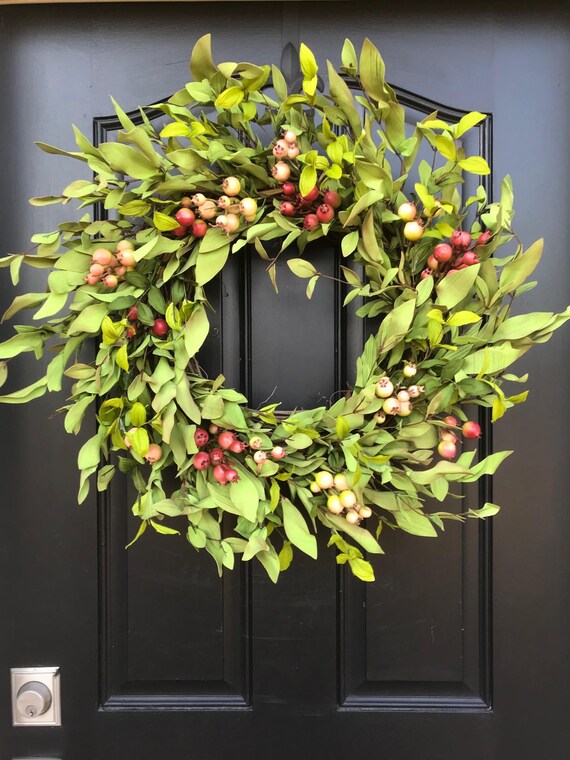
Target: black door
<point x="459" y="650"/>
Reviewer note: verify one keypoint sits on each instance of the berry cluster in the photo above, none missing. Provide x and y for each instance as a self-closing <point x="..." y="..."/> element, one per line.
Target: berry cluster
<point x="341" y="499"/>
<point x="158" y="328"/>
<point x="228" y="204"/>
<point x="108" y="268"/>
<point x="447" y="447"/>
<point x="226" y="442"/>
<point x="458" y="254"/>
<point x="397" y="402"/>
<point x="317" y="207"/>
<point x="287" y="146"/>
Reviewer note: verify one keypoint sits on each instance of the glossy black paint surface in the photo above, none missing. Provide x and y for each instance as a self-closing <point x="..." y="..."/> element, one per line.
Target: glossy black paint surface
<point x="159" y="658"/>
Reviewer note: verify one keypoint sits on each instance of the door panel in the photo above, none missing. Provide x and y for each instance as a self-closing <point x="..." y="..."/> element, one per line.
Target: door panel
<point x="161" y="659"/>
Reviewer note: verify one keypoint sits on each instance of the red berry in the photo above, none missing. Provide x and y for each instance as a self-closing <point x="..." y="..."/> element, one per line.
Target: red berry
<point x="460" y="240"/>
<point x="185" y="216"/>
<point x="325" y="213"/>
<point x="226" y="439"/>
<point x="311" y="196"/>
<point x="131" y="331"/>
<point x="311" y="221"/>
<point x="238" y="446"/>
<point x="443" y="252"/>
<point x="447" y="449"/>
<point x="332" y="198"/>
<point x="201" y="461"/>
<point x="201" y="437"/>
<point x="287" y="209"/>
<point x="199" y="229"/>
<point x="220" y="474"/>
<point x="180" y="231"/>
<point x="289" y="188"/>
<point x="133" y="314"/>
<point x="450" y="420"/>
<point x="484" y="238"/>
<point x="470" y="258"/>
<point x="232" y="475"/>
<point x="432" y="262"/>
<point x="159" y="327"/>
<point x="426" y="273"/>
<point x="217" y="456"/>
<point x="471" y="429"/>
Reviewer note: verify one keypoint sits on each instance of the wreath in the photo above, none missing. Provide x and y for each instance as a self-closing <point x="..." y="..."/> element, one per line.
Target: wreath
<point x="244" y="167"/>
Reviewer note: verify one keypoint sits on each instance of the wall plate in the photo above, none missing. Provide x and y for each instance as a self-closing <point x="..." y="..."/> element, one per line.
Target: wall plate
<point x="44" y="675"/>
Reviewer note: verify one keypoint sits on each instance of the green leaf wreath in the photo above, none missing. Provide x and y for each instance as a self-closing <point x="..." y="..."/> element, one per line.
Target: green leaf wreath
<point x="244" y="167"/>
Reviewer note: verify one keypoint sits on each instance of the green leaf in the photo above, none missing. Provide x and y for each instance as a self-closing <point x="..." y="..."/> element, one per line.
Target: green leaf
<point x="196" y="331"/>
<point x="301" y="267"/>
<point x="230" y="98"/>
<point x="163" y="222"/>
<point x="201" y="64"/>
<point x="244" y="496"/>
<point x="468" y="121"/>
<point x="475" y="165"/>
<point x="487" y="510"/>
<point x="210" y="264"/>
<point x="308" y="62"/>
<point x="520" y="268"/>
<point x="138" y="414"/>
<point x="164" y="529"/>
<point x="461" y="318"/>
<point x="415" y="523"/>
<point x="297" y="530"/>
<point x="89" y="320"/>
<point x="90" y="452"/>
<point x="456" y="286"/>
<point x="349" y="243"/>
<point x="20" y="344"/>
<point x="127" y="160"/>
<point x="372" y="71"/>
<point x="139" y="441"/>
<point x="285" y="556"/>
<point x="446" y="147"/>
<point x="140" y="531"/>
<point x="361" y="569"/>
<point x="308" y="180"/>
<point x="121" y="358"/>
<point x="360" y="535"/>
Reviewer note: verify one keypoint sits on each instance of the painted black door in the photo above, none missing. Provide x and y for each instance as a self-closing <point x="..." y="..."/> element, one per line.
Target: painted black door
<point x="460" y="649"/>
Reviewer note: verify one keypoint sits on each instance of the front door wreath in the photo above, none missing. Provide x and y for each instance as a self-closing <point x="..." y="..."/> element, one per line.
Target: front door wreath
<point x="240" y="162"/>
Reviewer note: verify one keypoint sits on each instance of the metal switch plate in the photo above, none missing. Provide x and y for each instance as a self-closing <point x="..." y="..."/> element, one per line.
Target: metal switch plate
<point x="35" y="697"/>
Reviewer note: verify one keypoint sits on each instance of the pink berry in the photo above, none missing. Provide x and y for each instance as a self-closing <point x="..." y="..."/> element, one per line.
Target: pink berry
<point x="238" y="446"/>
<point x="311" y="196"/>
<point x="460" y="240"/>
<point x="260" y="457"/>
<point x="293" y="151"/>
<point x="110" y="281"/>
<point x="186" y="202"/>
<point x="102" y="256"/>
<point x="433" y="263"/>
<point x="311" y="221"/>
<point x="289" y="188"/>
<point x="278" y="452"/>
<point x="133" y="314"/>
<point x="226" y="439"/>
<point x="201" y="461"/>
<point x="484" y="238"/>
<point x="471" y="429"/>
<point x="153" y="454"/>
<point x="201" y="437"/>
<point x="217" y="456"/>
<point x="332" y="198"/>
<point x="287" y="209"/>
<point x="447" y="449"/>
<point x="470" y="258"/>
<point x="426" y="273"/>
<point x="290" y="137"/>
<point x="199" y="229"/>
<point x="450" y="420"/>
<point x="159" y="327"/>
<point x="443" y="253"/>
<point x="219" y="473"/>
<point x="325" y="213"/>
<point x="185" y="216"/>
<point x="232" y="475"/>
